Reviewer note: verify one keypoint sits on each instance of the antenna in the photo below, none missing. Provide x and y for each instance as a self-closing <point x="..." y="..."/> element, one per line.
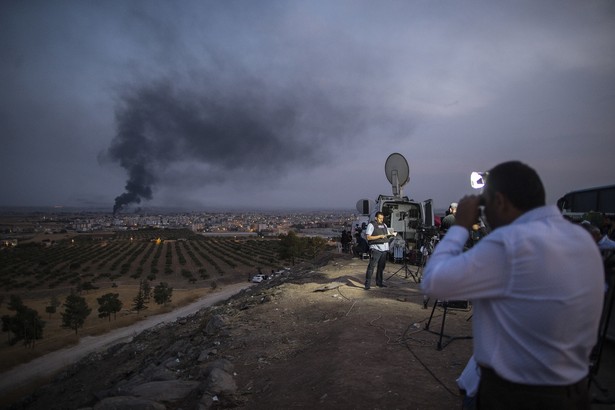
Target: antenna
<point x="397" y="172"/>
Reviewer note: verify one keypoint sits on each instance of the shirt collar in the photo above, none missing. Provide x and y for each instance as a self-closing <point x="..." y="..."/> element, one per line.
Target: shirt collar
<point x="542" y="212"/>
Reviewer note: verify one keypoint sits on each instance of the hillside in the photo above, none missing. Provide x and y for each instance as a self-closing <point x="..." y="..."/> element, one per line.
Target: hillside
<point x="311" y="339"/>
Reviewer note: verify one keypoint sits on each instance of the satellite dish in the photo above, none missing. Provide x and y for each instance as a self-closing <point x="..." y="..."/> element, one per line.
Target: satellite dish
<point x="397" y="172"/>
<point x="365" y="206"/>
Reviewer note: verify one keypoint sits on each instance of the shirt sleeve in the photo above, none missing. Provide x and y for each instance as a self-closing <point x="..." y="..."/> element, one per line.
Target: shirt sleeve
<point x="606" y="244"/>
<point x="479" y="272"/>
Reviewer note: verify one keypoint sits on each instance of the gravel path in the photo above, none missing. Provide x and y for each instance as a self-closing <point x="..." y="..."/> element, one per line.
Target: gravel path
<point x="53" y="362"/>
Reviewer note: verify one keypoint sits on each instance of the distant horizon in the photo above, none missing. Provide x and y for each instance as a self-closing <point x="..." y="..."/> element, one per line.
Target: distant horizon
<point x="150" y="209"/>
<point x="4" y="209"/>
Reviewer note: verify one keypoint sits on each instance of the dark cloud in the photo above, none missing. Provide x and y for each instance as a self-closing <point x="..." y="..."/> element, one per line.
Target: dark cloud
<point x="234" y="131"/>
<point x="296" y="103"/>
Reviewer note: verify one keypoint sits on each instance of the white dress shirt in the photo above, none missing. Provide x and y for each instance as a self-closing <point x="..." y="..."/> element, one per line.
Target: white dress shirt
<point x="606" y="244"/>
<point x="537" y="287"/>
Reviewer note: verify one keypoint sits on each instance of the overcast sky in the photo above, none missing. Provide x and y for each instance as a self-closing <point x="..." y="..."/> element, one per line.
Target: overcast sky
<point x="295" y="104"/>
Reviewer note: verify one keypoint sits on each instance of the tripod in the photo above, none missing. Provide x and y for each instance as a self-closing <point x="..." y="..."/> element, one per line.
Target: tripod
<point x="426" y="247"/>
<point x="596" y="354"/>
<point x="405" y="267"/>
<point x="446" y="305"/>
<point x="407" y="271"/>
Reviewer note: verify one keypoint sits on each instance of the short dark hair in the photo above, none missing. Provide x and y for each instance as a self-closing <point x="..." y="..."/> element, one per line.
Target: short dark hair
<point x="519" y="183"/>
<point x="378" y="213"/>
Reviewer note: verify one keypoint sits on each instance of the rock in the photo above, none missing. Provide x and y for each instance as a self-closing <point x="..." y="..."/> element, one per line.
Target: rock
<point x="128" y="403"/>
<point x="204" y="356"/>
<point x="172" y="363"/>
<point x="214" y="325"/>
<point x="162" y="375"/>
<point x="167" y="391"/>
<point x="220" y="382"/>
<point x="222" y="364"/>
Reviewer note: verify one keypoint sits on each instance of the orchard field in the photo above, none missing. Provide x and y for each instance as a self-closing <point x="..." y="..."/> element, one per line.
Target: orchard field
<point x="179" y="257"/>
<point x="45" y="270"/>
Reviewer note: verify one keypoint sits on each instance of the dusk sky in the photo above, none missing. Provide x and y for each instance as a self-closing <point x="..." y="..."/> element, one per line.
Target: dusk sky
<point x="298" y="104"/>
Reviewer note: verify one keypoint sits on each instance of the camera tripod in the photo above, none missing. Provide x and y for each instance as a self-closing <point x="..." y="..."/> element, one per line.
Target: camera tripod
<point x="605" y="319"/>
<point x="426" y="247"/>
<point x="405" y="267"/>
<point x="407" y="271"/>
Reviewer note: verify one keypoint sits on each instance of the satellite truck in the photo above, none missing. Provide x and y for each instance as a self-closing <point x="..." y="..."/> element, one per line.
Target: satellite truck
<point x="407" y="217"/>
<point x="574" y="205"/>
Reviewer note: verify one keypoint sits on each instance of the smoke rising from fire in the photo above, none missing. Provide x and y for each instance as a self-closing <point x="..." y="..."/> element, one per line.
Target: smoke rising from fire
<point x="245" y="131"/>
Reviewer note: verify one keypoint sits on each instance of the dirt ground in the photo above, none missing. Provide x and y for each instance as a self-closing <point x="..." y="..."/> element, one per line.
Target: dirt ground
<point x="328" y="343"/>
<point x="314" y="339"/>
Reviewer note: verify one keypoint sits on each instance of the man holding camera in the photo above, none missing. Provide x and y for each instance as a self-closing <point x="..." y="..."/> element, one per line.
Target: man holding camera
<point x="449" y="219"/>
<point x="536" y="283"/>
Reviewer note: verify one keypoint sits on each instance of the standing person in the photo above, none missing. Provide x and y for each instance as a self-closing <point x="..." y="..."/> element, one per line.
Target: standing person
<point x="537" y="286"/>
<point x="376" y="235"/>
<point x="345" y="240"/>
<point x="604" y="242"/>
<point x="449" y="219"/>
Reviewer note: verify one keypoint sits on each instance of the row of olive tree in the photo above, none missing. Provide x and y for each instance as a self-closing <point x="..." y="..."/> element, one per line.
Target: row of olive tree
<point x="74" y="261"/>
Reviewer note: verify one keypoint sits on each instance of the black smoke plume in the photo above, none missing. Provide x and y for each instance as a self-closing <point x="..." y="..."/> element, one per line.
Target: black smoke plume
<point x="247" y="129"/>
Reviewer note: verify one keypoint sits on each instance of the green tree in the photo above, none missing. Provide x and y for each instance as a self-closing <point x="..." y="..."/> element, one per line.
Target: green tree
<point x="139" y="303"/>
<point x="88" y="286"/>
<point x="147" y="290"/>
<point x="290" y="247"/>
<point x="31" y="325"/>
<point x="50" y="310"/>
<point x="76" y="310"/>
<point x="314" y="246"/>
<point x="163" y="293"/>
<point x="6" y="326"/>
<point x="54" y="303"/>
<point x="109" y="303"/>
<point x="25" y="325"/>
<point x="15" y="303"/>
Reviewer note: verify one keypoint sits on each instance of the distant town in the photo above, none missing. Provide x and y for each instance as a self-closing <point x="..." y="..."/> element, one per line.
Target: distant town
<point x="16" y="223"/>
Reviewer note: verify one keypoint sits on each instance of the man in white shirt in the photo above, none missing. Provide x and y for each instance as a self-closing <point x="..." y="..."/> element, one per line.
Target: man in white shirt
<point x="537" y="286"/>
<point x="603" y="241"/>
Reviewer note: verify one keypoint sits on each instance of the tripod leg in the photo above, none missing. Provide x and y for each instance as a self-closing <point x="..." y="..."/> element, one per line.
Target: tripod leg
<point x="431" y="316"/>
<point x="442" y="328"/>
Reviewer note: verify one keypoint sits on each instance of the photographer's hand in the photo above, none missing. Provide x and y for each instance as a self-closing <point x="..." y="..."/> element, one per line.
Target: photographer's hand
<point x="468" y="211"/>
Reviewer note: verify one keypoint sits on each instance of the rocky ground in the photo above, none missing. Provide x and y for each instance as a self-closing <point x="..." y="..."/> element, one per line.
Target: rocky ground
<point x="313" y="338"/>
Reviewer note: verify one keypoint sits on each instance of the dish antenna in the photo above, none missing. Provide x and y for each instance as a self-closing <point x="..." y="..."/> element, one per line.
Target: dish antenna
<point x="397" y="172"/>
<point x="365" y="206"/>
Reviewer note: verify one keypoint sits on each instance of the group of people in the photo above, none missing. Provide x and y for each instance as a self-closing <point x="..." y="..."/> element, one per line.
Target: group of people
<point x="536" y="282"/>
<point x="357" y="246"/>
<point x="602" y="238"/>
<point x="346" y="241"/>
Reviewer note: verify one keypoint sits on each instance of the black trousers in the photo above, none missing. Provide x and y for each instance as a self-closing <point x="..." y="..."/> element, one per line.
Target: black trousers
<point x="497" y="393"/>
<point x="378" y="261"/>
